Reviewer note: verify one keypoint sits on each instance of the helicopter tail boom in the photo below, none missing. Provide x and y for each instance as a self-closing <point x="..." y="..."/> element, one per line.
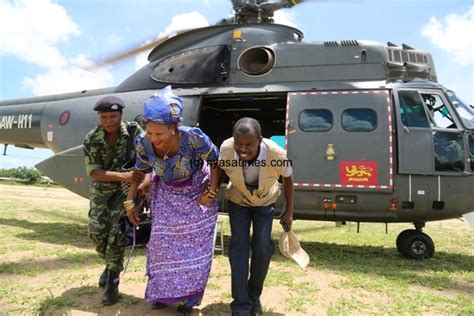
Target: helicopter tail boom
<point x="20" y="125"/>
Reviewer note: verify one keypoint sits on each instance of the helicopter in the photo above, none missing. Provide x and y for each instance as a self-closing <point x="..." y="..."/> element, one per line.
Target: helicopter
<point x="371" y="134"/>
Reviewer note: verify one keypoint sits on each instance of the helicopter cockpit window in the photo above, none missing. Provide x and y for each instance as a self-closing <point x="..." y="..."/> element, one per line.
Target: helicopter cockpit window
<point x="359" y="120"/>
<point x="471" y="151"/>
<point x="438" y="111"/>
<point x="315" y="120"/>
<point x="449" y="151"/>
<point x="412" y="110"/>
<point x="465" y="111"/>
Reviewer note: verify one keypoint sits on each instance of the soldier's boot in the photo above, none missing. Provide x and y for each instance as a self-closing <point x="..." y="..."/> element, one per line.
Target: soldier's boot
<point x="111" y="293"/>
<point x="103" y="277"/>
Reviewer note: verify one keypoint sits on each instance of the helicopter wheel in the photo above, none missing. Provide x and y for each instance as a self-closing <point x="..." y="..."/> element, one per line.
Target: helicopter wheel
<point x="401" y="239"/>
<point x="417" y="245"/>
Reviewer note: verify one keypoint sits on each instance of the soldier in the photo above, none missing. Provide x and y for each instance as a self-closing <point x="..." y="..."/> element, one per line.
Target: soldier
<point x="107" y="148"/>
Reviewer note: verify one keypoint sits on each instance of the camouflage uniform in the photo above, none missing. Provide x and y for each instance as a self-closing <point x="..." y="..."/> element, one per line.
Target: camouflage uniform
<point x="106" y="198"/>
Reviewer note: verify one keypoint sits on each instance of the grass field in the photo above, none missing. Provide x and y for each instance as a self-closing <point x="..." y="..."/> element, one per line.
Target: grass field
<point x="48" y="267"/>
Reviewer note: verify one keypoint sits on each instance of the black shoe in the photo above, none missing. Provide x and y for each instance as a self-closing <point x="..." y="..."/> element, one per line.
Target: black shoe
<point x="256" y="308"/>
<point x="103" y="277"/>
<point x="184" y="310"/>
<point x="111" y="292"/>
<point x="158" y="305"/>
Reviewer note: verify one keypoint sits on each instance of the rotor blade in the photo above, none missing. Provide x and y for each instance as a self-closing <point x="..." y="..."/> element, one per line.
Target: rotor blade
<point x="132" y="52"/>
<point x="294" y="2"/>
<point x="127" y="54"/>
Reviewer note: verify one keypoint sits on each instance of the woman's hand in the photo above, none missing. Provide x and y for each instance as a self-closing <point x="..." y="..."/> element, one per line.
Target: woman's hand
<point x="142" y="190"/>
<point x="204" y="199"/>
<point x="131" y="210"/>
<point x="137" y="176"/>
<point x="133" y="217"/>
<point x="207" y="196"/>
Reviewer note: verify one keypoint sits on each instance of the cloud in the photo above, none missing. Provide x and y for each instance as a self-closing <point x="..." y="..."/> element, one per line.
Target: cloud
<point x="69" y="79"/>
<point x="31" y="29"/>
<point x="285" y="18"/>
<point x="179" y="22"/>
<point x="113" y="39"/>
<point x="454" y="35"/>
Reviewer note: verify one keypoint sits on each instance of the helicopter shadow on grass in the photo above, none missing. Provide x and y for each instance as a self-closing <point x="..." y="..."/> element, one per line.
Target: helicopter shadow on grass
<point x="54" y="232"/>
<point x="382" y="262"/>
<point x="372" y="259"/>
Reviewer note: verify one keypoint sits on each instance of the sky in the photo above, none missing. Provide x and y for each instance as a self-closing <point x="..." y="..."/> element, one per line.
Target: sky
<point x="45" y="44"/>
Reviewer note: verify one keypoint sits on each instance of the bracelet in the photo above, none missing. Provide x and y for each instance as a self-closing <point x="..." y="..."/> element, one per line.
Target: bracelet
<point x="129" y="206"/>
<point x="212" y="194"/>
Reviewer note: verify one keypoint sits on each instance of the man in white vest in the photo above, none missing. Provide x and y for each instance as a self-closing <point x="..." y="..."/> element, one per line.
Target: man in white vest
<point x="254" y="165"/>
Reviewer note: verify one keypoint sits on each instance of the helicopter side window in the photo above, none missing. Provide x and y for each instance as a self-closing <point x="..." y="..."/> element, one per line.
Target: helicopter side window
<point x="466" y="112"/>
<point x="449" y="151"/>
<point x="315" y="120"/>
<point x="359" y="120"/>
<point x="438" y="112"/>
<point x="412" y="110"/>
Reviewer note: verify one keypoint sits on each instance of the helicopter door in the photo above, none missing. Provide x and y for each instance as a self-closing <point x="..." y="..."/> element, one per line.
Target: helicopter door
<point x="415" y="143"/>
<point x="430" y="141"/>
<point x="340" y="139"/>
<point x="191" y="110"/>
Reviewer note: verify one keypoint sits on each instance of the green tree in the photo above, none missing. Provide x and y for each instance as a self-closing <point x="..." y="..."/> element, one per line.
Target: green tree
<point x="30" y="174"/>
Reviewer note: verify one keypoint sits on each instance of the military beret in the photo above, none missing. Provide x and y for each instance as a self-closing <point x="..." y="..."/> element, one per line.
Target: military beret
<point x="109" y="104"/>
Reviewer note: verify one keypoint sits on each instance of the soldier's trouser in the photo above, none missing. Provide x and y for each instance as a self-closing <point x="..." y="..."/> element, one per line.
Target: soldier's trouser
<point x="106" y="208"/>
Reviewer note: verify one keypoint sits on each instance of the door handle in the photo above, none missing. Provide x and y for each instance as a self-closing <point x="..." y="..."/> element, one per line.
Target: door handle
<point x="290" y="127"/>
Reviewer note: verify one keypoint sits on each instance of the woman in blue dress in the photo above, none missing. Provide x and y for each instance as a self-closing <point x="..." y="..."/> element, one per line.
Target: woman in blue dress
<point x="183" y="193"/>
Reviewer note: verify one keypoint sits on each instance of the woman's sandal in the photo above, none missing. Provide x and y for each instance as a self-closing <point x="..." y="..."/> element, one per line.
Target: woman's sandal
<point x="184" y="310"/>
<point x="158" y="305"/>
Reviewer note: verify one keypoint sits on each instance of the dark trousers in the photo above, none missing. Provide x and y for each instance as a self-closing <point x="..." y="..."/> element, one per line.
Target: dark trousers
<point x="246" y="290"/>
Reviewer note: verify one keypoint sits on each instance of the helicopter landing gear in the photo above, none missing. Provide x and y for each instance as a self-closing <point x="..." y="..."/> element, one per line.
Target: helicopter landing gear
<point x="414" y="244"/>
<point x="401" y="238"/>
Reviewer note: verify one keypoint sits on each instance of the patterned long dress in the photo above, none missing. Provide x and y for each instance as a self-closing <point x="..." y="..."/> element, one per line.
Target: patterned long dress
<point x="179" y="253"/>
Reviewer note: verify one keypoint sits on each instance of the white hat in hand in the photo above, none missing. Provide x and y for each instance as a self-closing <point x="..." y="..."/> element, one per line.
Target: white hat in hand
<point x="290" y="248"/>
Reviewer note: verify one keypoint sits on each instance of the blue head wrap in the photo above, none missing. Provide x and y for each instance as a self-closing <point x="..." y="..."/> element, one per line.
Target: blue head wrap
<point x="163" y="107"/>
